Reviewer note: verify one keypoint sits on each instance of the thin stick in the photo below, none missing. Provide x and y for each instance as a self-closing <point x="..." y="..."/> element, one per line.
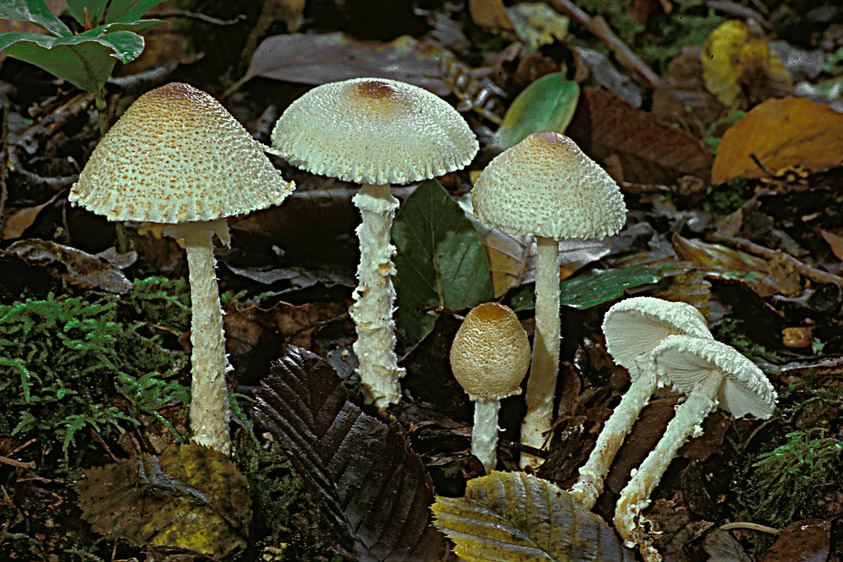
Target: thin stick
<point x="601" y="29"/>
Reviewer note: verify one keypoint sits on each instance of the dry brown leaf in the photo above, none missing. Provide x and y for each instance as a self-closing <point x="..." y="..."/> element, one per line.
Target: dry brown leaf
<point x="22" y="219"/>
<point x="780" y="133"/>
<point x="834" y="241"/>
<point x="648" y="150"/>
<point x="490" y="15"/>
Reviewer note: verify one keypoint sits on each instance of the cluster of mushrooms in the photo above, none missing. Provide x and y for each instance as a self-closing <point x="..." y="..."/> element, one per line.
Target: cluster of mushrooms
<point x="177" y="157"/>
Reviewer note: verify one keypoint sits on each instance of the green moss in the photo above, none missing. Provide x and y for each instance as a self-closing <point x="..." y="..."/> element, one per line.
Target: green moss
<point x="799" y="470"/>
<point x="72" y="363"/>
<point x="282" y="501"/>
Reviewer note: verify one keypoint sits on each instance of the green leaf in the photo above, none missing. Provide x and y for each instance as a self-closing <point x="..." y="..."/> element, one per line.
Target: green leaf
<point x="597" y="286"/>
<point x="96" y="9"/>
<point x="547" y="104"/>
<point x="33" y="11"/>
<point x="513" y="516"/>
<point x="128" y="11"/>
<point x="85" y="60"/>
<point x="440" y="259"/>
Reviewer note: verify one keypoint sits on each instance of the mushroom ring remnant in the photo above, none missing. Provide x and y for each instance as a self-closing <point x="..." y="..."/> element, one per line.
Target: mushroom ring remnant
<point x="546" y="186"/>
<point x="374" y="132"/>
<point x="711" y="373"/>
<point x="177" y="157"/>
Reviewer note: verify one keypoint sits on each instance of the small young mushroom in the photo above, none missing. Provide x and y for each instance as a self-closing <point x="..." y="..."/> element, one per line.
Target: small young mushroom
<point x="374" y="132"/>
<point x="545" y="185"/>
<point x="489" y="357"/>
<point x="177" y="157"/>
<point x="710" y="373"/>
<point x="633" y="328"/>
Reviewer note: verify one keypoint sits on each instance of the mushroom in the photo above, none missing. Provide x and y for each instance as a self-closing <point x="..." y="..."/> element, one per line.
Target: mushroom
<point x="374" y="132"/>
<point x="711" y="373"/>
<point x="490" y="356"/>
<point x="633" y="328"/>
<point x="177" y="157"/>
<point x="546" y="186"/>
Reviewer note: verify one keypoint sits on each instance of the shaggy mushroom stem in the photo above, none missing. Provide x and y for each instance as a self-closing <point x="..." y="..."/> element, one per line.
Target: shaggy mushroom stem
<point x="209" y="403"/>
<point x="635" y="497"/>
<point x="589" y="485"/>
<point x="541" y="384"/>
<point x="374" y="297"/>
<point x="484" y="434"/>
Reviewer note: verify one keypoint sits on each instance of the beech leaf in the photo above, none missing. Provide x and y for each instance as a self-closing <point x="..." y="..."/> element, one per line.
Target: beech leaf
<point x="372" y="491"/>
<point x="190" y="497"/>
<point x="780" y="133"/>
<point x="513" y="516"/>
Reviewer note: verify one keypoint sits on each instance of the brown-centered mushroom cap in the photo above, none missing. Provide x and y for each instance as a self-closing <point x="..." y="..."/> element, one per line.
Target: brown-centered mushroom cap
<point x="545" y="185"/>
<point x="374" y="131"/>
<point x="177" y="155"/>
<point x="490" y="354"/>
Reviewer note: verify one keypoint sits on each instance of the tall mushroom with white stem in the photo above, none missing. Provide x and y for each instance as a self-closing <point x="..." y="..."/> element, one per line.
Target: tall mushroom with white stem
<point x="490" y="356"/>
<point x="374" y="132"/>
<point x="633" y="328"/>
<point x="711" y="374"/>
<point x="546" y="186"/>
<point x="177" y="157"/>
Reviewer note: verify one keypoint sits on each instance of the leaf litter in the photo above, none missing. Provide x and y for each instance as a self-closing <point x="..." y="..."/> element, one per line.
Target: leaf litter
<point x="734" y="207"/>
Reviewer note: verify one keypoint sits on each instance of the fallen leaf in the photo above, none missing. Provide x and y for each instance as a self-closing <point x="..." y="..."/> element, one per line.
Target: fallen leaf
<point x="834" y="241"/>
<point x="808" y="540"/>
<point x="316" y="59"/>
<point x="372" y="490"/>
<point x="190" y="497"/>
<point x="648" y="150"/>
<point x="737" y="56"/>
<point x="780" y="133"/>
<point x="517" y="517"/>
<point x="490" y="15"/>
<point x="537" y="24"/>
<point x="20" y="220"/>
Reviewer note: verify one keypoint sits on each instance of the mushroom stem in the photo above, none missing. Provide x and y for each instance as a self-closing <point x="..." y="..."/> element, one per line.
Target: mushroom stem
<point x="484" y="435"/>
<point x="589" y="485"/>
<point x="635" y="497"/>
<point x="541" y="385"/>
<point x="374" y="297"/>
<point x="209" y="364"/>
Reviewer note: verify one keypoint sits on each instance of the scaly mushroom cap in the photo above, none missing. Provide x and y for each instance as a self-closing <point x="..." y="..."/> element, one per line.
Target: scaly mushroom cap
<point x="490" y="354"/>
<point x="176" y="155"/>
<point x="375" y="131"/>
<point x="545" y="185"/>
<point x="686" y="361"/>
<point x="634" y="327"/>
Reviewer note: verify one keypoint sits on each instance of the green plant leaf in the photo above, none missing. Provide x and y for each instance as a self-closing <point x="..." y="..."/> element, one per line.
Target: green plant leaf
<point x="128" y="11"/>
<point x="33" y="11"/>
<point x="440" y="259"/>
<point x="596" y="286"/>
<point x="513" y="516"/>
<point x="85" y="60"/>
<point x="547" y="104"/>
<point x="96" y="9"/>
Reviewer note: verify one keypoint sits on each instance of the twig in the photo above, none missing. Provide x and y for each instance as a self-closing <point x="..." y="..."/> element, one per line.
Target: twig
<point x="750" y="526"/>
<point x="803" y="268"/>
<point x="601" y="29"/>
<point x="19" y="464"/>
<point x="195" y="16"/>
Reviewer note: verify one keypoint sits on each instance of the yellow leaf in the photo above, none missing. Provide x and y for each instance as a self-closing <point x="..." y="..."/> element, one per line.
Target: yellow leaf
<point x="737" y="56"/>
<point x="490" y="15"/>
<point x="780" y="133"/>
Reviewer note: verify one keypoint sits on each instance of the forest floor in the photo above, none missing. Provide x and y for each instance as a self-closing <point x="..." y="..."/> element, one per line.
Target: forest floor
<point x="722" y="123"/>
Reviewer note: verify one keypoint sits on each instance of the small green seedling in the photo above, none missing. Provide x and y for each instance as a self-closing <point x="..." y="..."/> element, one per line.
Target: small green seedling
<point x="109" y="32"/>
